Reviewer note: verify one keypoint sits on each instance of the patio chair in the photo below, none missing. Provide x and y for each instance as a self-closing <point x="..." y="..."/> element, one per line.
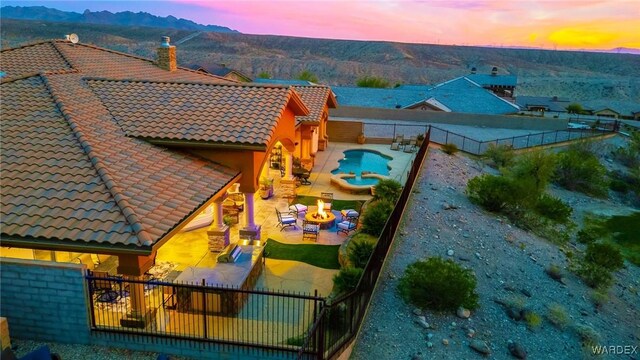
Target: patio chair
<point x="349" y="213"/>
<point x="310" y="230"/>
<point x="286" y="220"/>
<point x="302" y="175"/>
<point x="328" y="199"/>
<point x="297" y="209"/>
<point x="411" y="146"/>
<point x="347" y="226"/>
<point x="397" y="142"/>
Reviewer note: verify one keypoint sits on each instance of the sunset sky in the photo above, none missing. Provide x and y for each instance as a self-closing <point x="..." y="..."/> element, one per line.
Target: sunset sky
<point x="549" y="24"/>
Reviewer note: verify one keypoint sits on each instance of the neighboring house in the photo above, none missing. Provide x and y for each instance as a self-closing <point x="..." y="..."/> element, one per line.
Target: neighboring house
<point x="289" y="82"/>
<point x="459" y="95"/>
<point x="223" y="71"/>
<point x="109" y="153"/>
<point x="613" y="109"/>
<point x="501" y="85"/>
<point x="543" y="103"/>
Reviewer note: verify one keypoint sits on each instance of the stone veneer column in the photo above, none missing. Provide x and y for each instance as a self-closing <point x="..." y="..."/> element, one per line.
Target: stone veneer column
<point x="218" y="232"/>
<point x="137" y="317"/>
<point x="288" y="182"/>
<point x="251" y="229"/>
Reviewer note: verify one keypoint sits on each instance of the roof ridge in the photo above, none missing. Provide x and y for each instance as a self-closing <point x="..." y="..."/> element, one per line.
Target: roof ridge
<point x="185" y="82"/>
<point x="30" y="44"/>
<point x="53" y="43"/>
<point x="151" y="61"/>
<point x="109" y="183"/>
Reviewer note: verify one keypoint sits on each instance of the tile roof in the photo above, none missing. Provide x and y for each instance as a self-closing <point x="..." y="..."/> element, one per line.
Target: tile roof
<point x="624" y="108"/>
<point x="60" y="55"/>
<point x="315" y="98"/>
<point x="457" y="95"/>
<point x="237" y="114"/>
<point x="77" y="177"/>
<point x="71" y="175"/>
<point x="555" y="104"/>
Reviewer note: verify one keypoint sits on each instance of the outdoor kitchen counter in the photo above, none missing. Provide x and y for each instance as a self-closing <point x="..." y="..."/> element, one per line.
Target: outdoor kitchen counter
<point x="241" y="274"/>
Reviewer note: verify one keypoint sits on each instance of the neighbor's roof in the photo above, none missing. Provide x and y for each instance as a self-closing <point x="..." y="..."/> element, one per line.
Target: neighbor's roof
<point x="283" y="81"/>
<point x="488" y="79"/>
<point x="625" y="108"/>
<point x="555" y="104"/>
<point x="71" y="177"/>
<point x="458" y="95"/>
<point x="219" y="70"/>
<point x="376" y="97"/>
<point x="315" y="97"/>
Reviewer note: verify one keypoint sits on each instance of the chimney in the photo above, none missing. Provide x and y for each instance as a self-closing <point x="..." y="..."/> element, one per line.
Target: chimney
<point x="494" y="71"/>
<point x="473" y="70"/>
<point x="167" y="55"/>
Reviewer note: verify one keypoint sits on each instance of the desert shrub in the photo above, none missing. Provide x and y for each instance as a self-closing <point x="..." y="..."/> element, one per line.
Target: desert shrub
<point x="388" y="190"/>
<point x="599" y="297"/>
<point x="580" y="170"/>
<point x="372" y="82"/>
<point x="307" y="75"/>
<point x="500" y="155"/>
<point x="439" y="284"/>
<point x="296" y="340"/>
<point x="264" y="75"/>
<point x="594" y="275"/>
<point x="604" y="254"/>
<point x="629" y="155"/>
<point x="359" y="252"/>
<point x="553" y="208"/>
<point x="618" y="185"/>
<point x="450" y="148"/>
<point x="376" y="217"/>
<point x="558" y="316"/>
<point x="533" y="171"/>
<point x="532" y="319"/>
<point x="593" y="230"/>
<point x="588" y="335"/>
<point x="346" y="280"/>
<point x="493" y="193"/>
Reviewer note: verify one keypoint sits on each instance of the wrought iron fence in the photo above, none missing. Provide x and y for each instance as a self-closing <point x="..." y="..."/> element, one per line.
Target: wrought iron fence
<point x="478" y="147"/>
<point x="339" y="321"/>
<point x="270" y="320"/>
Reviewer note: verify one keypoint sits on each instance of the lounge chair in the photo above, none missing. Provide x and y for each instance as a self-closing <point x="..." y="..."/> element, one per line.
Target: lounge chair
<point x="348" y="225"/>
<point x="310" y="230"/>
<point x="411" y="146"/>
<point x="327" y="198"/>
<point x="397" y="142"/>
<point x="286" y="220"/>
<point x="349" y="213"/>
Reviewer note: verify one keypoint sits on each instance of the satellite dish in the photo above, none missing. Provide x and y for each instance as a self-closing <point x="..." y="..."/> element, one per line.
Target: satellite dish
<point x="73" y="38"/>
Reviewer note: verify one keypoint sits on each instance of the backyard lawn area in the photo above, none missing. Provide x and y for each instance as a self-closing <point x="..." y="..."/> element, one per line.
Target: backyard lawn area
<point x="336" y="204"/>
<point x="322" y="256"/>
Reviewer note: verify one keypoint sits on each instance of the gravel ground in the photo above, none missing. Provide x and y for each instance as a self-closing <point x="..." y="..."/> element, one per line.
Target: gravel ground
<point x="508" y="262"/>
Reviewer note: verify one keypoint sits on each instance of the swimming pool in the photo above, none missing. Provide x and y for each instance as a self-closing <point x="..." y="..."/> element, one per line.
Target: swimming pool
<point x="357" y="161"/>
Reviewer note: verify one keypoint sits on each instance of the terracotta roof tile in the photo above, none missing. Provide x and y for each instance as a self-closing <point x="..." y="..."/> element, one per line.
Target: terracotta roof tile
<point x="315" y="98"/>
<point x="239" y="114"/>
<point x="32" y="59"/>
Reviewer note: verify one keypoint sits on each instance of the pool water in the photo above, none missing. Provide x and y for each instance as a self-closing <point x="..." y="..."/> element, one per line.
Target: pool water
<point x="357" y="161"/>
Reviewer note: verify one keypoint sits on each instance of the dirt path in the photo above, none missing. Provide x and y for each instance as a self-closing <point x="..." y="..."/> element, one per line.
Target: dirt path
<point x="508" y="263"/>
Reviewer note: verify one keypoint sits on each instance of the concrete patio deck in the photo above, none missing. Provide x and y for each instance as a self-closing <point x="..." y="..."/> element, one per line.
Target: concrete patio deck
<point x="190" y="248"/>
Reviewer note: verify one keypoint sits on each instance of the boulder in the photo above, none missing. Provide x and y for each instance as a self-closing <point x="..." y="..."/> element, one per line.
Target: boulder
<point x="463" y="313"/>
<point x="516" y="350"/>
<point x="480" y="346"/>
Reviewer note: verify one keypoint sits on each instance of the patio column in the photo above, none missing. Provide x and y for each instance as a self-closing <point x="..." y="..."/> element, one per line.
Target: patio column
<point x="250" y="230"/>
<point x="218" y="232"/>
<point x="288" y="170"/>
<point x="136" y="295"/>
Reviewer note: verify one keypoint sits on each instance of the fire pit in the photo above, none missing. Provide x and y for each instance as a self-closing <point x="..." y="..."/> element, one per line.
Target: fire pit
<point x="324" y="218"/>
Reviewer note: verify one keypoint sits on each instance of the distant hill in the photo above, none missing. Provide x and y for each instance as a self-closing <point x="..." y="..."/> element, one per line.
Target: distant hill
<point x="579" y="76"/>
<point x="126" y="18"/>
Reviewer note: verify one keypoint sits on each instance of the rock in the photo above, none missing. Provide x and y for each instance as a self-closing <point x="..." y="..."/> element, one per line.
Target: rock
<point x="463" y="313"/>
<point x="471" y="333"/>
<point x="448" y="206"/>
<point x="453" y="324"/>
<point x="515" y="314"/>
<point x="509" y="288"/>
<point x="526" y="292"/>
<point x="429" y="345"/>
<point x="516" y="350"/>
<point x="423" y="322"/>
<point x="445" y="342"/>
<point x="466" y="235"/>
<point x="416" y="357"/>
<point x="450" y="252"/>
<point x="429" y="336"/>
<point x="478" y="255"/>
<point x="417" y="312"/>
<point x="480" y="346"/>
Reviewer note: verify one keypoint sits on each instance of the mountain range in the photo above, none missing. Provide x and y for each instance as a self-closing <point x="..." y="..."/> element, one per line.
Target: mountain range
<point x="125" y="18"/>
<point x="577" y="75"/>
